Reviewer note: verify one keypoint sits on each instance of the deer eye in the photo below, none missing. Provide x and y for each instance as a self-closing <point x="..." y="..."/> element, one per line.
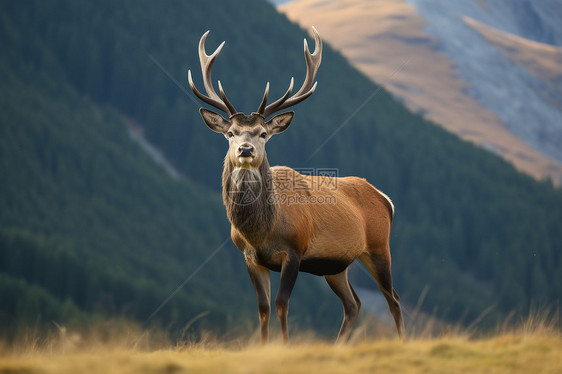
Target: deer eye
<point x="229" y="134"/>
<point x="263" y="135"/>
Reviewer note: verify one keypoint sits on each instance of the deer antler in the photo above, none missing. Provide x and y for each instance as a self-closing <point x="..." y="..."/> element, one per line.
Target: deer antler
<point x="312" y="64"/>
<point x="207" y="61"/>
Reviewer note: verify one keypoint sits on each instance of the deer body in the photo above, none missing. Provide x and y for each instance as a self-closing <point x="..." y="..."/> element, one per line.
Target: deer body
<point x="288" y="222"/>
<point x="316" y="232"/>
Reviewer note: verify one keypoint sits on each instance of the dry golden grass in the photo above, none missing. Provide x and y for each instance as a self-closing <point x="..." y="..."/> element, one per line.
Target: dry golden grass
<point x="540" y="59"/>
<point x="535" y="346"/>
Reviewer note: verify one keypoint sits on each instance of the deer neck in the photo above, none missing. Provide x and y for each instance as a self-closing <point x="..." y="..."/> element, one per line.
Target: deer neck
<point x="247" y="196"/>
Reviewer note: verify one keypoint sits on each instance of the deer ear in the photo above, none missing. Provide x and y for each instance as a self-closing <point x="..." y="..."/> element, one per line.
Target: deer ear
<point x="214" y="121"/>
<point x="279" y="123"/>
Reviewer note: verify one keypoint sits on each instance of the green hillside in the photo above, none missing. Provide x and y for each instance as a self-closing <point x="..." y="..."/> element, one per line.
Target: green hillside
<point x="94" y="226"/>
<point x="89" y="218"/>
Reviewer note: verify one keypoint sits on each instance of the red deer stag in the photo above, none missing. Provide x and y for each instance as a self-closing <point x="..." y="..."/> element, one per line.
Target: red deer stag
<point x="289" y="222"/>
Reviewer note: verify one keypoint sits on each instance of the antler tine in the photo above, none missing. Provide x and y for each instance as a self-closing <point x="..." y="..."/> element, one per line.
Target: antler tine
<point x="264" y="100"/>
<point x="313" y="61"/>
<point x="225" y="100"/>
<point x="207" y="64"/>
<point x="273" y="107"/>
<point x="216" y="103"/>
<point x="206" y="61"/>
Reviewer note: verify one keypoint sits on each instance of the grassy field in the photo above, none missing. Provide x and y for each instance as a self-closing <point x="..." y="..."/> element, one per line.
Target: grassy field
<point x="503" y="354"/>
<point x="527" y="349"/>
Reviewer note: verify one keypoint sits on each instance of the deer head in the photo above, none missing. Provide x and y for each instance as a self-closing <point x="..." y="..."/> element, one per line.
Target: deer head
<point x="247" y="134"/>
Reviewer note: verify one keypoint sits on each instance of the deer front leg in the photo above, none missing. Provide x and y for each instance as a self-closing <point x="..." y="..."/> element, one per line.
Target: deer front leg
<point x="260" y="278"/>
<point x="289" y="273"/>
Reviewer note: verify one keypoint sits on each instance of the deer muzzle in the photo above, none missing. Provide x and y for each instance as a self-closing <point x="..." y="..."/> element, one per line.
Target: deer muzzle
<point x="246" y="150"/>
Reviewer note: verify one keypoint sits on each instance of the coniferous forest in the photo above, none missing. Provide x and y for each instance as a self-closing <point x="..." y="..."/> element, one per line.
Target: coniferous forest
<point x="91" y="227"/>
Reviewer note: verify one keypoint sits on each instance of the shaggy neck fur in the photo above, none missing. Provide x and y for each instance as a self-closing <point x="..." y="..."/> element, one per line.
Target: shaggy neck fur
<point x="246" y="195"/>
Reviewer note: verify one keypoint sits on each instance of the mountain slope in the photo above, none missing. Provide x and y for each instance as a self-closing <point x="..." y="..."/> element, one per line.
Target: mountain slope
<point x="527" y="104"/>
<point x="468" y="226"/>
<point x="415" y="58"/>
<point x="540" y="59"/>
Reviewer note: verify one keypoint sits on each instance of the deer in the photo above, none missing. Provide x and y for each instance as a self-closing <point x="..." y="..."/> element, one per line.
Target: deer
<point x="288" y="222"/>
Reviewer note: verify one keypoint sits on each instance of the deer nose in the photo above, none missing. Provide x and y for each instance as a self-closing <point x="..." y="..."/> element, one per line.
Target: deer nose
<point x="246" y="150"/>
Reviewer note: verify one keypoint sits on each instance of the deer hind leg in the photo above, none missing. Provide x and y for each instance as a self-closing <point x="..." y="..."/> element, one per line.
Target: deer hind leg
<point x="289" y="273"/>
<point x="351" y="303"/>
<point x="378" y="264"/>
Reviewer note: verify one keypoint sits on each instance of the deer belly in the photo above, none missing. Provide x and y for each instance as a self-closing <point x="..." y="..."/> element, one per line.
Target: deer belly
<point x="327" y="259"/>
<point x="324" y="266"/>
<point x="317" y="265"/>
